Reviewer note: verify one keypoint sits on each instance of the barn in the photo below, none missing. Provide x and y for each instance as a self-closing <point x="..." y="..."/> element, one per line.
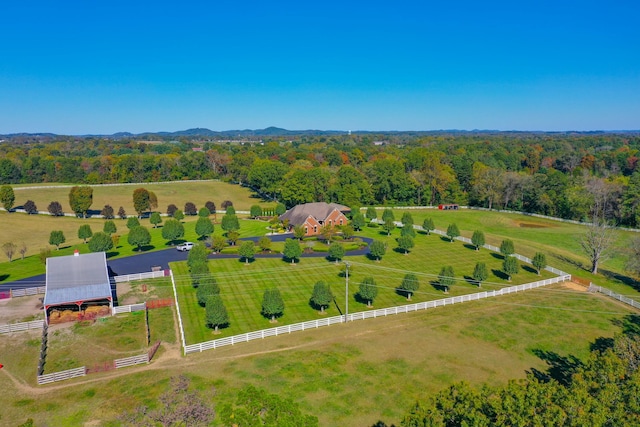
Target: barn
<point x="76" y="282"/>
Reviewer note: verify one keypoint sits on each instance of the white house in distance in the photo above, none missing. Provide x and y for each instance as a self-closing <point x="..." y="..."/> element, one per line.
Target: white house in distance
<point x="77" y="281"/>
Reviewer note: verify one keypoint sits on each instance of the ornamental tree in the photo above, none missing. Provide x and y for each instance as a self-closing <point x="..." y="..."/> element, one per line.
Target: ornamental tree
<point x="230" y="223"/>
<point x="427" y="225"/>
<point x="133" y="222"/>
<point x="336" y="251"/>
<point x="405" y="243"/>
<point x="446" y="278"/>
<point x="506" y="248"/>
<point x="292" y="250"/>
<point x="255" y="211"/>
<point x="155" y="219"/>
<point x="510" y="266"/>
<point x="298" y="232"/>
<point x="368" y="291"/>
<point x="109" y="227"/>
<point x="171" y="209"/>
<point x="139" y="236"/>
<point x="172" y="230"/>
<point x="121" y="213"/>
<point x="410" y="284"/>
<point x="371" y="213"/>
<point x="407" y="219"/>
<point x="539" y="261"/>
<point x="55" y="209"/>
<point x="218" y="243"/>
<point x="388" y="214"/>
<point x="100" y="242"/>
<point x="207" y="286"/>
<point x="30" y="207"/>
<point x="247" y="250"/>
<point x="197" y="255"/>
<point x="453" y="232"/>
<point x="211" y="206"/>
<point x="264" y="243"/>
<point x="178" y="215"/>
<point x="377" y="249"/>
<point x="107" y="212"/>
<point x="272" y="304"/>
<point x="204" y="212"/>
<point x="357" y="221"/>
<point x="204" y="227"/>
<point x="478" y="239"/>
<point x="84" y="232"/>
<point x="480" y="273"/>
<point x="347" y="232"/>
<point x="388" y="226"/>
<point x="321" y="296"/>
<point x="216" y="313"/>
<point x="57" y="238"/>
<point x="9" y="249"/>
<point x="141" y="201"/>
<point x="190" y="209"/>
<point x="408" y="230"/>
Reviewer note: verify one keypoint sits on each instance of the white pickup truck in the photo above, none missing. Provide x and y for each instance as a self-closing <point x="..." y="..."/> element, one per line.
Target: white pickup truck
<point x="186" y="246"/>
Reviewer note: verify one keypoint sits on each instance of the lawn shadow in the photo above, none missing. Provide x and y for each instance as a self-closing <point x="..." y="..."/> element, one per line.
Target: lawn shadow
<point x="573" y="262"/>
<point x="337" y="306"/>
<point x="601" y="344"/>
<point x="529" y="269"/>
<point x="437" y="286"/>
<point x="401" y="251"/>
<point x="629" y="281"/>
<point x="144" y="248"/>
<point x="4" y="277"/>
<point x="244" y="261"/>
<point x="561" y="368"/>
<point x="469" y="246"/>
<point x="445" y="239"/>
<point x="288" y="260"/>
<point x="372" y="258"/>
<point x="471" y="281"/>
<point x="500" y="274"/>
<point x="361" y="300"/>
<point x="497" y="256"/>
<point x="93" y="212"/>
<point x="630" y="324"/>
<point x="384" y="233"/>
<point x="111" y="254"/>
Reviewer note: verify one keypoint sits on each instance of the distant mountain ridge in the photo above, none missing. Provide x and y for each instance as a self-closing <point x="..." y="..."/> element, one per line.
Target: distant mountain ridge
<point x="273" y="131"/>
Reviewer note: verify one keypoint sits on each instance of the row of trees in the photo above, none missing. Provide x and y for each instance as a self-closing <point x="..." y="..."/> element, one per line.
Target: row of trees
<point x="570" y="176"/>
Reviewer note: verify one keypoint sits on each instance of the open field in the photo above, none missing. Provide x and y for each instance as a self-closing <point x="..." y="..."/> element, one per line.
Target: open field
<point x="243" y="285"/>
<point x="116" y="195"/>
<point x="348" y="375"/>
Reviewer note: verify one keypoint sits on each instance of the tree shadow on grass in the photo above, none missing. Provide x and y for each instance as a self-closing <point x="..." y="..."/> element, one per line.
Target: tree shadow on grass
<point x="561" y="368"/>
<point x="437" y="286"/>
<point x="4" y="277"/>
<point x="244" y="261"/>
<point x="469" y="246"/>
<point x="630" y="324"/>
<point x="629" y="281"/>
<point x="500" y="274"/>
<point x="372" y="258"/>
<point x="111" y="254"/>
<point x="601" y="344"/>
<point x="288" y="260"/>
<point x="497" y="256"/>
<point x="471" y="281"/>
<point x="445" y="239"/>
<point x="529" y="269"/>
<point x="144" y="248"/>
<point x="573" y="262"/>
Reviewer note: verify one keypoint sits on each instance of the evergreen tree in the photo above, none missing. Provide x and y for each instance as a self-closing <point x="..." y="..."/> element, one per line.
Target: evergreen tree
<point x="272" y="304"/>
<point x="368" y="291"/>
<point x="321" y="296"/>
<point x="410" y="284"/>
<point x="216" y="313"/>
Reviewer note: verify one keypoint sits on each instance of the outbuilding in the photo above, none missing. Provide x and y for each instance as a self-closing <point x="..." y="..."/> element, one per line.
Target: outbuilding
<point x="76" y="282"/>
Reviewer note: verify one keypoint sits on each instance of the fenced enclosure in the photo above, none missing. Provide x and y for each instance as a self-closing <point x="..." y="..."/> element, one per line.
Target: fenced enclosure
<point x="141" y="276"/>
<point x="23" y="326"/>
<point x="250" y="336"/>
<point x="621" y="298"/>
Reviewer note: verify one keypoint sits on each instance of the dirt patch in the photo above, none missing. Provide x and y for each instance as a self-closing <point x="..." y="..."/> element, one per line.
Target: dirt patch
<point x="574" y="286"/>
<point x="531" y="225"/>
<point x="21" y="309"/>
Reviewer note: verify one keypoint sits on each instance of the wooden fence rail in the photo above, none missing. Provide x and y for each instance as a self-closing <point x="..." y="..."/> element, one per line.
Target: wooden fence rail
<point x="129" y="308"/>
<point x="621" y="298"/>
<point x="18" y="327"/>
<point x="287" y="329"/>
<point x="62" y="375"/>
<point x="139" y="276"/>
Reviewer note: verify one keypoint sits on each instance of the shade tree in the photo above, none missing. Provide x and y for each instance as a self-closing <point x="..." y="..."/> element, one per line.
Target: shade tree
<point x="30" y="207"/>
<point x="107" y="212"/>
<point x="446" y="278"/>
<point x="272" y="304"/>
<point x="9" y="249"/>
<point x="171" y="209"/>
<point x="371" y="213"/>
<point x="204" y="227"/>
<point x="368" y="290"/>
<point x="407" y="218"/>
<point x="357" y="221"/>
<point x="141" y="201"/>
<point x="478" y="239"/>
<point x="510" y="266"/>
<point x="206" y="287"/>
<point x="216" y="313"/>
<point x="7" y="197"/>
<point x="427" y="225"/>
<point x="172" y="230"/>
<point x="100" y="242"/>
<point x="388" y="214"/>
<point x="389" y="225"/>
<point x="480" y="273"/>
<point x="408" y="230"/>
<point x="204" y="212"/>
<point x="84" y="232"/>
<point x="405" y="243"/>
<point x="506" y="248"/>
<point x="139" y="236"/>
<point x="122" y="214"/>
<point x="55" y="209"/>
<point x="190" y="209"/>
<point x="109" y="227"/>
<point x="255" y="211"/>
<point x="292" y="250"/>
<point x="56" y="238"/>
<point x="336" y="251"/>
<point x="453" y="232"/>
<point x="155" y="219"/>
<point x="133" y="222"/>
<point x="377" y="249"/>
<point x="410" y="284"/>
<point x="539" y="261"/>
<point x="80" y="199"/>
<point x="321" y="296"/>
<point x="247" y="250"/>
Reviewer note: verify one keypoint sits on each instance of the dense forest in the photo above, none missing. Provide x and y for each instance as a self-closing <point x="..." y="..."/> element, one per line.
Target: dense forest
<point x="573" y="176"/>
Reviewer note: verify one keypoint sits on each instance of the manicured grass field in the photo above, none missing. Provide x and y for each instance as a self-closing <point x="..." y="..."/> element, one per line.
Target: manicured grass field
<point x="242" y="286"/>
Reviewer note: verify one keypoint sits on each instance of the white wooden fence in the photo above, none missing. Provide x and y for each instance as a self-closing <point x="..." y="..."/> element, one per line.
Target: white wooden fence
<point x="129" y="308"/>
<point x="313" y="324"/>
<point x="62" y="375"/>
<point x="23" y="326"/>
<point x="139" y="276"/>
<point x="130" y="361"/>
<point x="27" y="291"/>
<point x="621" y="298"/>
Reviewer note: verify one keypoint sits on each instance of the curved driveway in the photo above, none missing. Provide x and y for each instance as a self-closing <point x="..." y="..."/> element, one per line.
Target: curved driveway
<point x="142" y="263"/>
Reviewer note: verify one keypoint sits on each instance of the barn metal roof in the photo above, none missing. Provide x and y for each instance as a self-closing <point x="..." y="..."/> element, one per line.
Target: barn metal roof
<point x="77" y="278"/>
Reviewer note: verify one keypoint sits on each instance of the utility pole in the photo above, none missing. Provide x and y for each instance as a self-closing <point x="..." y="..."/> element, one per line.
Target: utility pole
<point x="346" y="294"/>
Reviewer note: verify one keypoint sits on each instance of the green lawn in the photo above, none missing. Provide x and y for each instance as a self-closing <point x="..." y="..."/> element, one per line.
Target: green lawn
<point x="242" y="286"/>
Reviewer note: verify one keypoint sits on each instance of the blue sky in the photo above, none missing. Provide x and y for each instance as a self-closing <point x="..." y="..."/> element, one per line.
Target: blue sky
<point x="78" y="67"/>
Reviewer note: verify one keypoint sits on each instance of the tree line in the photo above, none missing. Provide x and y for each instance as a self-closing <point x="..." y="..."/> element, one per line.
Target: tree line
<point x="570" y="176"/>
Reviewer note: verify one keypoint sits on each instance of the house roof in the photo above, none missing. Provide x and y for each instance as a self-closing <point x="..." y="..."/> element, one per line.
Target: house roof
<point x="319" y="210"/>
<point x="77" y="278"/>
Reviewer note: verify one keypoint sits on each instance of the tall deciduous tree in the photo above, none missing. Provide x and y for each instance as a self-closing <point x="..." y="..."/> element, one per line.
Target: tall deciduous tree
<point x="368" y="290"/>
<point x="446" y="278"/>
<point x="247" y="250"/>
<point x="453" y="231"/>
<point x="7" y="197"/>
<point x="410" y="284"/>
<point x="321" y="296"/>
<point x="377" y="249"/>
<point x="57" y="238"/>
<point x="172" y="230"/>
<point x="141" y="201"/>
<point x="510" y="266"/>
<point x="596" y="242"/>
<point x="539" y="261"/>
<point x="292" y="250"/>
<point x="84" y="232"/>
<point x="272" y="304"/>
<point x="480" y="273"/>
<point x="81" y="199"/>
<point x="478" y="239"/>
<point x="216" y="313"/>
<point x="139" y="237"/>
<point x="100" y="242"/>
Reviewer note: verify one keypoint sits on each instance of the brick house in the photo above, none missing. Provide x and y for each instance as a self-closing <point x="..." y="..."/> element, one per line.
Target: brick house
<point x="313" y="216"/>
